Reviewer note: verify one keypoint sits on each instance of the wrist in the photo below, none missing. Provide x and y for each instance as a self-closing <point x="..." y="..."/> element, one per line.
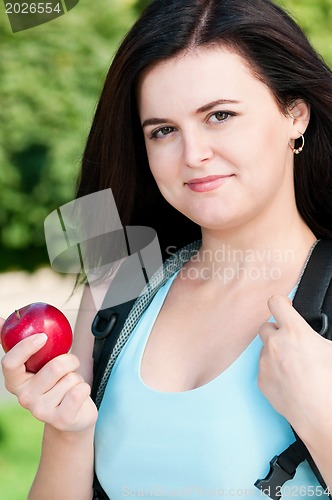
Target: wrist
<point x="51" y="433"/>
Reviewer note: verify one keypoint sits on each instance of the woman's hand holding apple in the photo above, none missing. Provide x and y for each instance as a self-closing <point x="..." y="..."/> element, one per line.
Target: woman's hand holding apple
<point x="56" y="394"/>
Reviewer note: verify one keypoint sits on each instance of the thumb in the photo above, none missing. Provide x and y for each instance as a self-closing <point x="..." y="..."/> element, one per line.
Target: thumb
<point x="285" y="316"/>
<point x="282" y="310"/>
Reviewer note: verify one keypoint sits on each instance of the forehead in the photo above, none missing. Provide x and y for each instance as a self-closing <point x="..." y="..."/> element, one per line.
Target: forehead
<point x="199" y="76"/>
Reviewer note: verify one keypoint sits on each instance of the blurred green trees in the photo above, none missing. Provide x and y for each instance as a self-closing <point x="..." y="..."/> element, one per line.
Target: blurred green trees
<point x="315" y="18"/>
<point x="50" y="79"/>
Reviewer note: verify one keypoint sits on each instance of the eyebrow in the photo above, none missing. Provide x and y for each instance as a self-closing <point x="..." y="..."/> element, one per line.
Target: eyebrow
<point x="213" y="104"/>
<point x="203" y="109"/>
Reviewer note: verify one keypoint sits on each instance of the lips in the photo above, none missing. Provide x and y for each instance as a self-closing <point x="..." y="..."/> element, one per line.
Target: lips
<point x="204" y="184"/>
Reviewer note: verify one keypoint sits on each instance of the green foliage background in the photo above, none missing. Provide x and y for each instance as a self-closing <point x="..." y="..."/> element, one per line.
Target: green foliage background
<point x="20" y="447"/>
<point x="50" y="79"/>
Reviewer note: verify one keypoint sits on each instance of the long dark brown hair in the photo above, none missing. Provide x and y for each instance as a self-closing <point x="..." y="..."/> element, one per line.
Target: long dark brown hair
<point x="280" y="55"/>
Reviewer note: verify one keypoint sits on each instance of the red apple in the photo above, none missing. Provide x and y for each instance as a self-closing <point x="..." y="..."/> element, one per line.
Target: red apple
<point x="38" y="318"/>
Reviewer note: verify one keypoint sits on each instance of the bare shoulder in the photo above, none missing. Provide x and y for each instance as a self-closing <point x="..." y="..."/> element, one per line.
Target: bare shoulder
<point x="92" y="300"/>
<point x="83" y="338"/>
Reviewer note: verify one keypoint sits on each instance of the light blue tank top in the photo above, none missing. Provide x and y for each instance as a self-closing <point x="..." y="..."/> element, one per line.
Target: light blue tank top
<point x="212" y="441"/>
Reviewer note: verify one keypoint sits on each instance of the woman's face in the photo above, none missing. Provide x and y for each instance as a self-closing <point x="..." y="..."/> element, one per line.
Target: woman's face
<point x="218" y="144"/>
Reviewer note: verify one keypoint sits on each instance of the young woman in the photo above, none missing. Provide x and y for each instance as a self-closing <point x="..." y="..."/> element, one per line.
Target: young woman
<point x="223" y="109"/>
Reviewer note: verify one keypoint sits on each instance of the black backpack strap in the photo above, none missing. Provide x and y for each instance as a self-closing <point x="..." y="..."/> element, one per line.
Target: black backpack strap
<point x="128" y="281"/>
<point x="118" y="322"/>
<point x="98" y="492"/>
<point x="109" y="322"/>
<point x="106" y="328"/>
<point x="282" y="469"/>
<point x="313" y="297"/>
<point x="313" y="300"/>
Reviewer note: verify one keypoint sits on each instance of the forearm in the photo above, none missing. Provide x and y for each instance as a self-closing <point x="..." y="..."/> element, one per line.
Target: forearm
<point x="66" y="467"/>
<point x="321" y="452"/>
<point x="325" y="467"/>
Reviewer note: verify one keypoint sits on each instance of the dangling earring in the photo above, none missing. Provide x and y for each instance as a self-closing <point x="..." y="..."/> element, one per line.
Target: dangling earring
<point x="300" y="149"/>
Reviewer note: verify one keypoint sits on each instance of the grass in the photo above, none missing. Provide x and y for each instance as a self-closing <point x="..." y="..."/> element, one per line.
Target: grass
<point x="20" y="444"/>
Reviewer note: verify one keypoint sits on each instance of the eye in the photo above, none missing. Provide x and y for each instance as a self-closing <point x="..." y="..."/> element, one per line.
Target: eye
<point x="220" y="116"/>
<point x="161" y="133"/>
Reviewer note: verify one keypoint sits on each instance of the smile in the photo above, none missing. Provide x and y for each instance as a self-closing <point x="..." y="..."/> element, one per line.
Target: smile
<point x="206" y="184"/>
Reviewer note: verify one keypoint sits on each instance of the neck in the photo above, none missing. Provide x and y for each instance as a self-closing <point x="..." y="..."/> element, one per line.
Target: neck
<point x="254" y="252"/>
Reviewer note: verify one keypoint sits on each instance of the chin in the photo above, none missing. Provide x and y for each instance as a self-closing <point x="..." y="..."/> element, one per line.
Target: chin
<point x="213" y="222"/>
<point x="209" y="215"/>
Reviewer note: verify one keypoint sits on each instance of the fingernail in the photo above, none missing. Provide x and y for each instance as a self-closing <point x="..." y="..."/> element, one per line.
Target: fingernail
<point x="40" y="339"/>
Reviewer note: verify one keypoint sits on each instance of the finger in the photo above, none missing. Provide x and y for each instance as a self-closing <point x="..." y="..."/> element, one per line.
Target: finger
<point x="74" y="401"/>
<point x="13" y="362"/>
<point x="283" y="311"/>
<point x="75" y="398"/>
<point x="55" y="396"/>
<point x="54" y="371"/>
<point x="266" y="330"/>
<point x="41" y="406"/>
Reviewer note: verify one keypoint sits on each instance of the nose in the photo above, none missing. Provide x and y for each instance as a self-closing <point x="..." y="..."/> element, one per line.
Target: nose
<point x="196" y="148"/>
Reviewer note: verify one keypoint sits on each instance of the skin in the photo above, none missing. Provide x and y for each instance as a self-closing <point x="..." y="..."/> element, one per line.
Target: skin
<point x="213" y="142"/>
<point x="251" y="142"/>
<point x="189" y="136"/>
<point x="186" y="138"/>
<point x="295" y="375"/>
<point x="59" y="396"/>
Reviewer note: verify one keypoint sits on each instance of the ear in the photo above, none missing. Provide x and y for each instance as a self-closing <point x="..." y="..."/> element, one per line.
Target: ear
<point x="299" y="113"/>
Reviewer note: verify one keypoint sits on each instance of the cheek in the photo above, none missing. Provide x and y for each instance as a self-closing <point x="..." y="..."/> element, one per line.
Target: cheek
<point x="163" y="161"/>
<point x="156" y="167"/>
<point x="152" y="158"/>
<point x="256" y="140"/>
<point x="265" y="148"/>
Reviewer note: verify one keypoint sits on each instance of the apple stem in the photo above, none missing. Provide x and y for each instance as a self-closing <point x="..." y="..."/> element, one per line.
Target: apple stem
<point x="18" y="314"/>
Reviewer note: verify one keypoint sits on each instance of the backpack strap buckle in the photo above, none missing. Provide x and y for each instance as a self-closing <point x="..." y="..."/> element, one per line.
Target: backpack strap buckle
<point x="325" y="324"/>
<point x="319" y="321"/>
<point x="103" y="323"/>
<point x="101" y="328"/>
<point x="273" y="482"/>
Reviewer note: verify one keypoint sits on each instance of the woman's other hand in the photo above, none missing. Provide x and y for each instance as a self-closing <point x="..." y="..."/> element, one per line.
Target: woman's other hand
<point x="295" y="374"/>
<point x="295" y="371"/>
